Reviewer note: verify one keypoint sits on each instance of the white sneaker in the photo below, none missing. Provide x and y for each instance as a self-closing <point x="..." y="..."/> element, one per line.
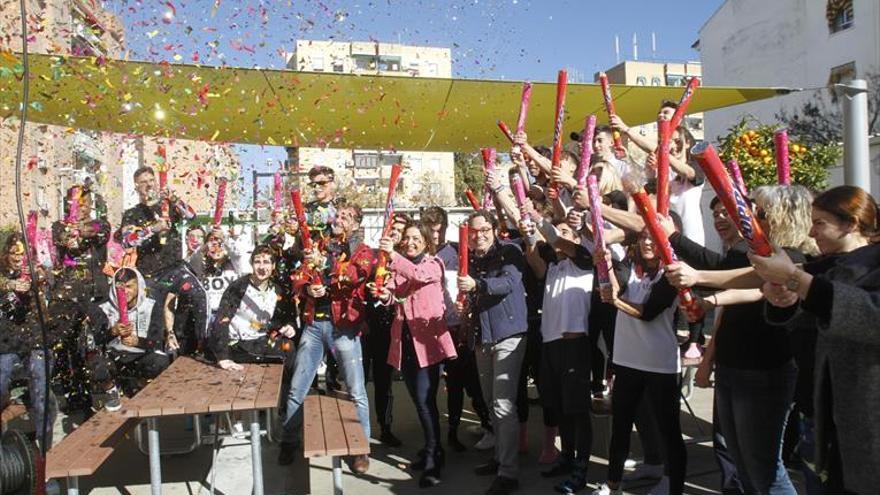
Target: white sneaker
<point x="487" y="442"/>
<point x="661" y="488"/>
<point x="604" y="489"/>
<point x="644" y="472"/>
<point x="630" y="464"/>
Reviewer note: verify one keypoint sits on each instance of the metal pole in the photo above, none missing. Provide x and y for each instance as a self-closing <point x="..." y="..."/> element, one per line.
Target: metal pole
<point x="337" y="475"/>
<point x="856" y="160"/>
<point x="155" y="462"/>
<point x="73" y="485"/>
<point x="256" y="453"/>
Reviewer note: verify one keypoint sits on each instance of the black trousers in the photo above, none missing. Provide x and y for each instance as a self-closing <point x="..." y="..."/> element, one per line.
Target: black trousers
<point x="191" y="309"/>
<point x="565" y="392"/>
<point x="126" y="369"/>
<point x="422" y="384"/>
<point x="462" y="376"/>
<point x="662" y="392"/>
<point x="375" y="347"/>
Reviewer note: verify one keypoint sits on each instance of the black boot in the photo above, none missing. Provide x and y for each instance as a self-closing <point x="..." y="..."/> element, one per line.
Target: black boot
<point x="388" y="438"/>
<point x="453" y="442"/>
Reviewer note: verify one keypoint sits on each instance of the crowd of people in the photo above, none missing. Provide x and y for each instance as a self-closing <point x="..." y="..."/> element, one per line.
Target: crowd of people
<point x="794" y="346"/>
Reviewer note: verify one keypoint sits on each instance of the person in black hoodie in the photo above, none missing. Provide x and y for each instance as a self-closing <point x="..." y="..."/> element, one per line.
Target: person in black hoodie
<point x="254" y="322"/>
<point x="19" y="340"/>
<point x="160" y="258"/>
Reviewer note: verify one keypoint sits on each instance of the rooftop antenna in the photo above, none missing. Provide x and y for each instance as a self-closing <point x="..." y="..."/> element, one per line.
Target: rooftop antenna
<point x="653" y="45"/>
<point x="635" y="47"/>
<point x="617" y="48"/>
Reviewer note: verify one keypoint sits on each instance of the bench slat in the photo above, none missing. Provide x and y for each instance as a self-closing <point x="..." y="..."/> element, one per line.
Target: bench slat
<point x="99" y="451"/>
<point x="270" y="389"/>
<point x="247" y="391"/>
<point x="313" y="428"/>
<point x="354" y="432"/>
<point x="334" y="434"/>
<point x="220" y="400"/>
<point x="103" y="432"/>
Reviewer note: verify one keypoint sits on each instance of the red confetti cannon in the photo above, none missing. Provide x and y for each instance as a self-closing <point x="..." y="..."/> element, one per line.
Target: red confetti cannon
<point x="619" y="150"/>
<point x="472" y="199"/>
<point x="783" y="165"/>
<point x="489" y="156"/>
<point x="683" y="103"/>
<point x="736" y="204"/>
<point x="505" y="130"/>
<point x="122" y="305"/>
<point x="221" y="199"/>
<point x="598" y="227"/>
<point x="296" y="199"/>
<point x="664" y="132"/>
<point x="737" y="177"/>
<point x="463" y="235"/>
<point x="162" y="161"/>
<point x="381" y="266"/>
<point x="583" y="169"/>
<point x="561" y="85"/>
<point x="667" y="255"/>
<point x="277" y="188"/>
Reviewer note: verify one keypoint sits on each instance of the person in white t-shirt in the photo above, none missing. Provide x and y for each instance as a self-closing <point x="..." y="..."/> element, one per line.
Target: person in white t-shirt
<point x="646" y="361"/>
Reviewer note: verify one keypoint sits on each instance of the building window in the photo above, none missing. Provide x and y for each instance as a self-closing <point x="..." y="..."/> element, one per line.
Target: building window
<point x="318" y="64"/>
<point x="674" y="80"/>
<point x="641" y="81"/>
<point x="655" y="81"/>
<point x="338" y="66"/>
<point x="389" y="64"/>
<point x="839" y="14"/>
<point x="364" y="62"/>
<point x="842" y="74"/>
<point x="375" y="161"/>
<point x="432" y="69"/>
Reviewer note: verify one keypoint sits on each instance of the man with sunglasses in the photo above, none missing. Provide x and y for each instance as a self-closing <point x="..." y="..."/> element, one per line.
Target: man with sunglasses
<point x="321" y="211"/>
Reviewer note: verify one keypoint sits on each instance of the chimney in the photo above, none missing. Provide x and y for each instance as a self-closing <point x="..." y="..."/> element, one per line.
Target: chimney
<point x="635" y="47"/>
<point x="653" y="45"/>
<point x="617" y="48"/>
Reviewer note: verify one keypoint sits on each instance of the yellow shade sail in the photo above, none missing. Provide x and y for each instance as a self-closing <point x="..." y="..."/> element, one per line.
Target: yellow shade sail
<point x="280" y="107"/>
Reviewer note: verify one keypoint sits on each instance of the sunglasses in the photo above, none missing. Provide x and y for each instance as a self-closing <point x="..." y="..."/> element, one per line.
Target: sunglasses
<point x="318" y="184"/>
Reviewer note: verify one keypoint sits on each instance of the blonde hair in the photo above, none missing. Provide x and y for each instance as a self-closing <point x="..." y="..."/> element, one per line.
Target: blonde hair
<point x="608" y="180"/>
<point x="789" y="215"/>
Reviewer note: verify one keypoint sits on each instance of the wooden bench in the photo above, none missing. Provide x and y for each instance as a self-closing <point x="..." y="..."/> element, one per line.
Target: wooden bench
<point x="331" y="428"/>
<point x="84" y="450"/>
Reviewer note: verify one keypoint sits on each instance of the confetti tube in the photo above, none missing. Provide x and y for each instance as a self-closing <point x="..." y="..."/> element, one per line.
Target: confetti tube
<point x="277" y="189"/>
<point x="162" y="161"/>
<point x="683" y="103"/>
<point x="783" y="165"/>
<point x="663" y="135"/>
<point x="736" y="176"/>
<point x="30" y="233"/>
<point x="519" y="192"/>
<point x="489" y="156"/>
<point x="667" y="255"/>
<point x="736" y="204"/>
<point x="472" y="199"/>
<point x="586" y="151"/>
<point x="619" y="150"/>
<point x="598" y="227"/>
<point x="381" y="266"/>
<point x="73" y="205"/>
<point x="561" y="85"/>
<point x="220" y="200"/>
<point x="122" y="305"/>
<point x="505" y="130"/>
<point x="463" y="234"/>
<point x="306" y="236"/>
<point x="524" y="107"/>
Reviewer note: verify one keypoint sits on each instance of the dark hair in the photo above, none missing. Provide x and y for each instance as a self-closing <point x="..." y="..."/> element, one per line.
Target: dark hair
<point x="348" y="205"/>
<point x="123" y="275"/>
<point x="852" y="205"/>
<point x="603" y="128"/>
<point x="434" y="215"/>
<point x="668" y="104"/>
<point x="195" y="227"/>
<point x="11" y="240"/>
<point x="486" y="215"/>
<point x="322" y="170"/>
<point x="687" y="136"/>
<point x="426" y="234"/>
<point x="263" y="249"/>
<point x="143" y="170"/>
<point x="401" y="217"/>
<point x="566" y="154"/>
<point x="715" y="201"/>
<point x="544" y="151"/>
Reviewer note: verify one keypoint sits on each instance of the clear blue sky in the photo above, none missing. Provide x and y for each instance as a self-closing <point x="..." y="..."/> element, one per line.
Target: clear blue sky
<point x="490" y="39"/>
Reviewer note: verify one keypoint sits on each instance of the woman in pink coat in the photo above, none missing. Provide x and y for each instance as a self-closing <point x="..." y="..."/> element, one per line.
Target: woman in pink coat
<point x="420" y="340"/>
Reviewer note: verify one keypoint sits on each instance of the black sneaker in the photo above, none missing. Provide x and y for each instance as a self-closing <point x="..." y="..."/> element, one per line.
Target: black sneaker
<point x="502" y="486"/>
<point x="389" y="439"/>
<point x="286" y="454"/>
<point x="576" y="483"/>
<point x="430" y="478"/>
<point x="561" y="467"/>
<point x="454" y="443"/>
<point x="488" y="469"/>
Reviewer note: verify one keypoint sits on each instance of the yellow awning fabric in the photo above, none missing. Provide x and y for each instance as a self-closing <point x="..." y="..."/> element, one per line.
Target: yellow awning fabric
<point x="276" y="107"/>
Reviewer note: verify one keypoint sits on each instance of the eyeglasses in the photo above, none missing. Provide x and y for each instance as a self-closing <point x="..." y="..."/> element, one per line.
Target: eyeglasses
<point x="318" y="184"/>
<point x="484" y="231"/>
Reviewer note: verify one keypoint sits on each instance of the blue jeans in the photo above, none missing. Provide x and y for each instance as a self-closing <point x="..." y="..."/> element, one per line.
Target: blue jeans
<point x="345" y="345"/>
<point x="36" y="387"/>
<point x="753" y="407"/>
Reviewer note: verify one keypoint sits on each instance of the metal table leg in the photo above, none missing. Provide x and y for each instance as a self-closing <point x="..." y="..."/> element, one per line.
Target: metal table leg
<point x="337" y="475"/>
<point x="155" y="462"/>
<point x="256" y="452"/>
<point x="73" y="485"/>
<point x="215" y="446"/>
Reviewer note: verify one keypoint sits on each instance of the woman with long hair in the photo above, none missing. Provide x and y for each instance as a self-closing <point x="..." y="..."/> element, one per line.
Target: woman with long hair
<point x="837" y="299"/>
<point x="420" y="339"/>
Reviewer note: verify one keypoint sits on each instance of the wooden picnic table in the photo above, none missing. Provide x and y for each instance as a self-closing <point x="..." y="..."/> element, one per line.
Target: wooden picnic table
<point x="190" y="387"/>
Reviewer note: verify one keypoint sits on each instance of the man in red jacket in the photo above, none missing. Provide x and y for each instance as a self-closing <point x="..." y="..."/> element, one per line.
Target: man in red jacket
<point x="331" y="285"/>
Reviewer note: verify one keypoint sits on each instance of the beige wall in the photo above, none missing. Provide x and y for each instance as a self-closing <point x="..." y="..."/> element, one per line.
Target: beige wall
<point x="333" y="56"/>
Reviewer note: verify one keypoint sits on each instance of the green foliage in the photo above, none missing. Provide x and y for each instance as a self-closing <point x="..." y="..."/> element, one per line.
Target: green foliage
<point x="751" y="145"/>
<point x="468" y="175"/>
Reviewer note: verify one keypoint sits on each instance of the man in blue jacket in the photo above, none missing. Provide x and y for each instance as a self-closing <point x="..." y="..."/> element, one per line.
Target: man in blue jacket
<point x="497" y="305"/>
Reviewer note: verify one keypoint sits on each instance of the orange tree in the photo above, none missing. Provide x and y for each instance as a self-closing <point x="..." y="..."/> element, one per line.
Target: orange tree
<point x="751" y="145"/>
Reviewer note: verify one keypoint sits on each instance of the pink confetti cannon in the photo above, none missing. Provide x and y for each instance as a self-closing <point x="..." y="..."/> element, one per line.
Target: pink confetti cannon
<point x="683" y="103"/>
<point x="524" y="107"/>
<point x="561" y="86"/>
<point x="221" y="199"/>
<point x="783" y="165"/>
<point x="519" y="192"/>
<point x="737" y="177"/>
<point x="122" y="305"/>
<point x="736" y="204"/>
<point x="162" y="161"/>
<point x="663" y="135"/>
<point x="489" y="155"/>
<point x="598" y="227"/>
<point x="277" y="190"/>
<point x="619" y="150"/>
<point x="583" y="169"/>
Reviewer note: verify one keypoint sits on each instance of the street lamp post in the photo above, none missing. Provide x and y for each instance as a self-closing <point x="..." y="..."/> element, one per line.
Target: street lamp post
<point x="856" y="160"/>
